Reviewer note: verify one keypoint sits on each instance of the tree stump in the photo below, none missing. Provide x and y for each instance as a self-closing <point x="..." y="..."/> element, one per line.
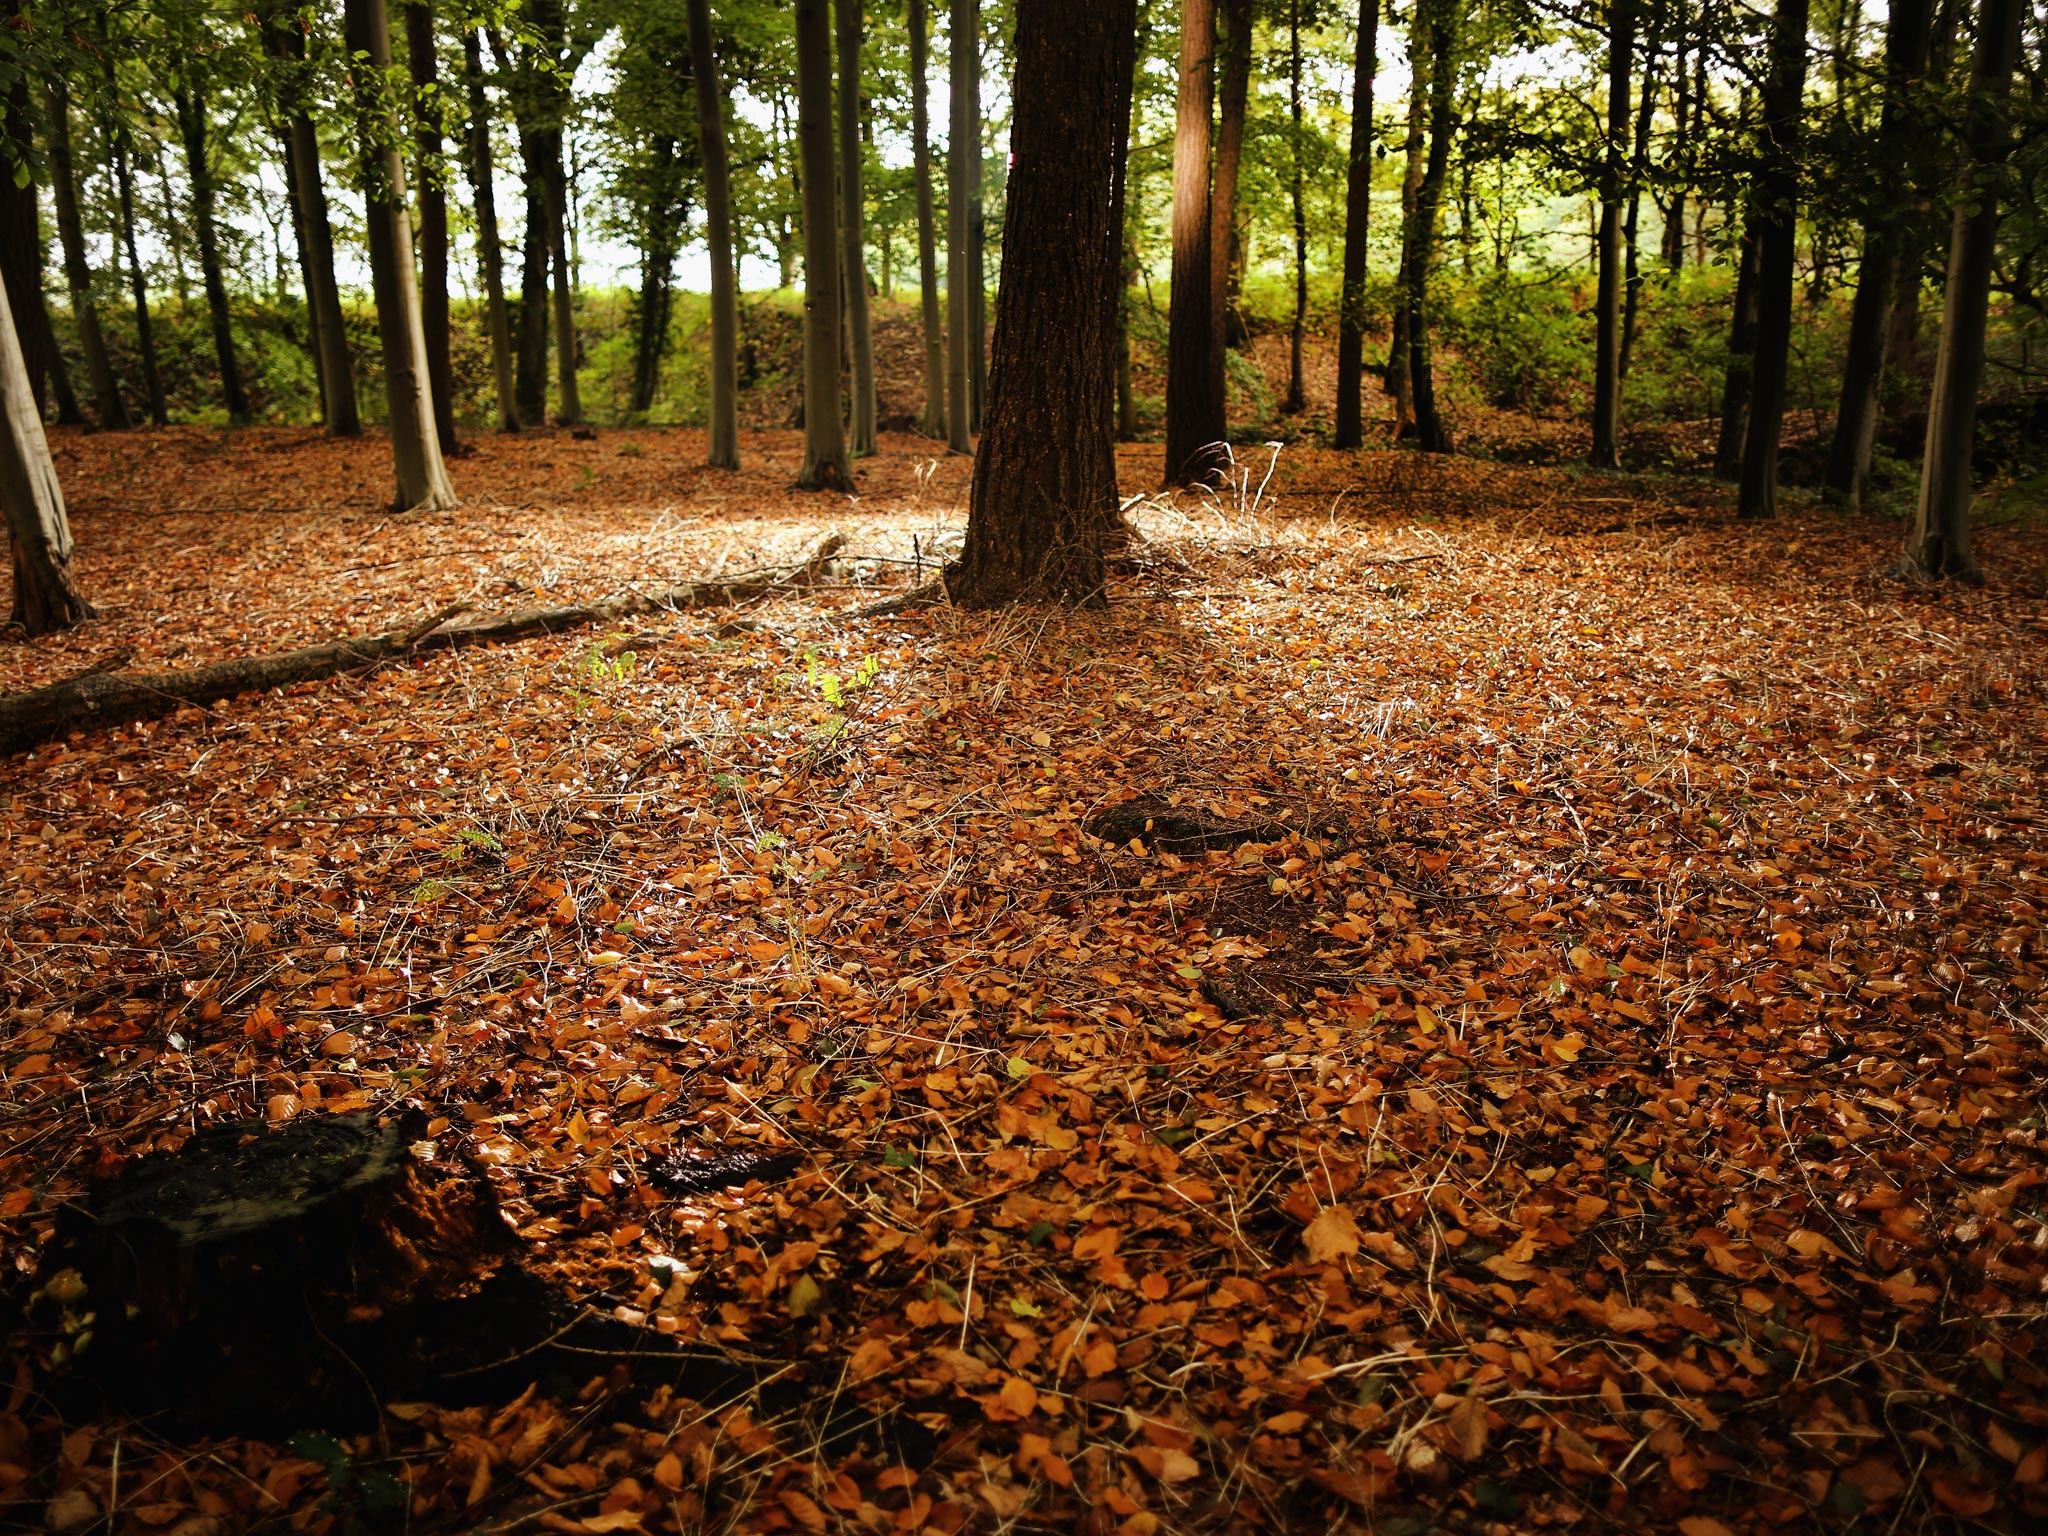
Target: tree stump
<point x="261" y="1277"/>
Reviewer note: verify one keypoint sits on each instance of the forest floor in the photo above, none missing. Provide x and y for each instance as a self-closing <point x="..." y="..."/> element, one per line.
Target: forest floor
<point x="1599" y="1087"/>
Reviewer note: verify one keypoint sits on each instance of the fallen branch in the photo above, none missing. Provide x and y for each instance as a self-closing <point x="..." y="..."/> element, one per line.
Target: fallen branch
<point x="99" y="697"/>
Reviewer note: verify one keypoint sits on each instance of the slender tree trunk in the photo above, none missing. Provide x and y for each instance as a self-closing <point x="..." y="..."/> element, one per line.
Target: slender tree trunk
<point x="191" y="109"/>
<point x="658" y="243"/>
<point x="1127" y="273"/>
<point x="826" y="465"/>
<point x="853" y="230"/>
<point x="1735" y="388"/>
<point x="46" y="598"/>
<point x="145" y="333"/>
<point x="1297" y="382"/>
<point x="1940" y="544"/>
<point x="1195" y="426"/>
<point x="724" y="451"/>
<point x="21" y="233"/>
<point x="421" y="49"/>
<point x="934" y="422"/>
<point x="977" y="247"/>
<point x="555" y="203"/>
<point x="1621" y="60"/>
<point x="314" y="228"/>
<point x="1397" y="379"/>
<point x="423" y="483"/>
<point x="1350" y="422"/>
<point x="1431" y="433"/>
<point x="531" y="382"/>
<point x="1638" y="165"/>
<point x="1235" y="46"/>
<point x="490" y="251"/>
<point x="295" y="211"/>
<point x="85" y="314"/>
<point x="1774" y="210"/>
<point x="963" y="143"/>
<point x="1672" y="246"/>
<point x="1044" y="499"/>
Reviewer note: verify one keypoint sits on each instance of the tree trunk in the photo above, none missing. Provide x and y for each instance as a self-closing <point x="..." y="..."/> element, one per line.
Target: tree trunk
<point x="295" y="214"/>
<point x="145" y="333"/>
<point x="106" y="388"/>
<point x="490" y="252"/>
<point x="934" y="420"/>
<point x="1235" y="46"/>
<point x="1044" y="497"/>
<point x="826" y="466"/>
<point x="1430" y="431"/>
<point x="191" y="109"/>
<point x="963" y="140"/>
<point x="1774" y="210"/>
<point x="1350" y="422"/>
<point x="1940" y="543"/>
<point x="555" y="202"/>
<point x="315" y="231"/>
<point x="21" y="235"/>
<point x="977" y="245"/>
<point x="1908" y="32"/>
<point x="1397" y="380"/>
<point x="658" y="243"/>
<point x="421" y="59"/>
<point x="1672" y="244"/>
<point x="1297" y="382"/>
<point x="724" y="452"/>
<point x="532" y="378"/>
<point x="1195" y="426"/>
<point x="423" y="483"/>
<point x="1638" y="164"/>
<point x="46" y="599"/>
<point x="853" y="231"/>
<point x="1735" y="388"/>
<point x="1621" y="61"/>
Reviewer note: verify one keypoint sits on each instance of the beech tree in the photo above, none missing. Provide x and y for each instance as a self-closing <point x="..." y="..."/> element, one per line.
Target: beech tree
<point x="423" y="63"/>
<point x="724" y="450"/>
<point x="1195" y="426"/>
<point x="826" y="466"/>
<point x="423" y="483"/>
<point x="934" y="420"/>
<point x="490" y="251"/>
<point x="1044" y="497"/>
<point x="189" y="97"/>
<point x="107" y="402"/>
<point x="852" y="230"/>
<point x="46" y="598"/>
<point x="1235" y="17"/>
<point x="1350" y="424"/>
<point x="1621" y="46"/>
<point x="963" y="172"/>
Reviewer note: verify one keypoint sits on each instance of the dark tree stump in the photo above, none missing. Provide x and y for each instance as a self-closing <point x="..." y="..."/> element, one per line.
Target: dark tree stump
<point x="263" y="1277"/>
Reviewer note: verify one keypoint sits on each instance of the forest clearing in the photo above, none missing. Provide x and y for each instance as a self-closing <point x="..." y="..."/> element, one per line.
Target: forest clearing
<point x="1593" y="1077"/>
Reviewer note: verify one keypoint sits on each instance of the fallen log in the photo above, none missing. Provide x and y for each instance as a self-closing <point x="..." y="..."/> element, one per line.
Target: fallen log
<point x="101" y="697"/>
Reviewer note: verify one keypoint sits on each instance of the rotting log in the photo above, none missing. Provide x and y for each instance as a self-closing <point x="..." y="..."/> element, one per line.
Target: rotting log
<point x="102" y="697"/>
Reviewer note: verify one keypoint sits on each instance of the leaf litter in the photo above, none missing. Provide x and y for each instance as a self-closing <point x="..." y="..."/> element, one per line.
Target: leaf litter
<point x="1603" y="1089"/>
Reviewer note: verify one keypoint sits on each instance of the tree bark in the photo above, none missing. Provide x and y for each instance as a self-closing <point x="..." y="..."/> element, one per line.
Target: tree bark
<point x="963" y="142"/>
<point x="422" y="61"/>
<point x="21" y="234"/>
<point x="97" y="699"/>
<point x="532" y="376"/>
<point x="1908" y="32"/>
<point x="1735" y="387"/>
<point x="1416" y="146"/>
<point x="1941" y="544"/>
<point x="724" y="451"/>
<point x="826" y="466"/>
<point x="106" y="388"/>
<point x="145" y="333"/>
<point x="1431" y="433"/>
<point x="46" y="598"/>
<point x="1044" y="497"/>
<point x="315" y="231"/>
<point x="1672" y="245"/>
<point x="191" y="108"/>
<point x="1350" y="424"/>
<point x="853" y="230"/>
<point x="490" y="251"/>
<point x="1297" y="382"/>
<point x="659" y="242"/>
<point x="1774" y="210"/>
<point x="1621" y="61"/>
<point x="933" y="422"/>
<point x="1235" y="46"/>
<point x="1638" y="164"/>
<point x="422" y="477"/>
<point x="1195" y="426"/>
<point x="555" y="202"/>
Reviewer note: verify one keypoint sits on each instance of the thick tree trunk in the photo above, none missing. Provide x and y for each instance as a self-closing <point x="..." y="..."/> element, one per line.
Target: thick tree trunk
<point x="555" y="195"/>
<point x="490" y="251"/>
<point x="1621" y="63"/>
<point x="46" y="599"/>
<point x="1416" y="147"/>
<point x="1774" y="210"/>
<point x="423" y="483"/>
<point x="98" y="699"/>
<point x="853" y="230"/>
<point x="315" y="231"/>
<point x="1907" y="35"/>
<point x="1297" y="381"/>
<point x="1044" y="498"/>
<point x="421" y="57"/>
<point x="145" y="333"/>
<point x="288" y="157"/>
<point x="1235" y="48"/>
<point x="532" y="380"/>
<point x="963" y="143"/>
<point x="1940" y="544"/>
<point x="934" y="419"/>
<point x="92" y="343"/>
<point x="1431" y="433"/>
<point x="1735" y="388"/>
<point x="1350" y="423"/>
<point x="191" y="108"/>
<point x="826" y="466"/>
<point x="21" y="236"/>
<point x="1195" y="426"/>
<point x="724" y="452"/>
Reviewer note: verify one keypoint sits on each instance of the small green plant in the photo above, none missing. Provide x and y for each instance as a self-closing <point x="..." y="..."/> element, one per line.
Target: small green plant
<point x="361" y="1503"/>
<point x="605" y="666"/>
